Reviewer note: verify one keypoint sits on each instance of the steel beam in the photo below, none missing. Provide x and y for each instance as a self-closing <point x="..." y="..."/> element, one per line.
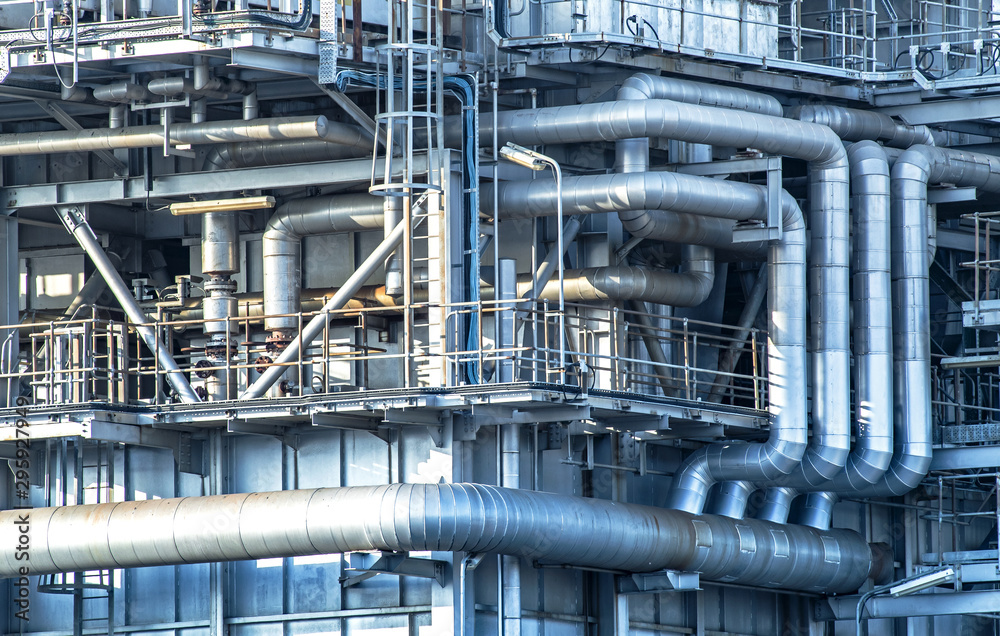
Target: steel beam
<point x="946" y="110"/>
<point x="183" y="185"/>
<point x="9" y="299"/>
<point x="964" y="458"/>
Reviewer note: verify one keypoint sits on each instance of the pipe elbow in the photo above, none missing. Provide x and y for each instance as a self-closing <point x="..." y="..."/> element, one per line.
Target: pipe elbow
<point x="691" y="483"/>
<point x="219" y="158"/>
<point x="638" y="86"/>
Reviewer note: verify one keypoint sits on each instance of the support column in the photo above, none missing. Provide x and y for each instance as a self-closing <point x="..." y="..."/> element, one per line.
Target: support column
<point x="9" y="298"/>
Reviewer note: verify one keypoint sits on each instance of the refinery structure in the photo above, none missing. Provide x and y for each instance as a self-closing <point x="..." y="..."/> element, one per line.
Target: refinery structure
<point x="499" y="317"/>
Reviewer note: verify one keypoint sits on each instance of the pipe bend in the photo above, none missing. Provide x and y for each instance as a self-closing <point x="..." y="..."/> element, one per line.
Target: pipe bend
<point x="647" y="86"/>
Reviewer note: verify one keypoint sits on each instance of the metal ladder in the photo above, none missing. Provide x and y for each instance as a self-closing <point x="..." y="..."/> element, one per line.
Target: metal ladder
<point x="93" y="467"/>
<point x="410" y="105"/>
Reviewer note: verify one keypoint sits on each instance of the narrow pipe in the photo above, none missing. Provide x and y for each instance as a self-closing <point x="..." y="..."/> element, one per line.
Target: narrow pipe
<point x="337" y="144"/>
<point x="151" y="136"/>
<point x="315" y="326"/>
<point x="469" y="518"/>
<point x="510" y="440"/>
<point x="77" y="225"/>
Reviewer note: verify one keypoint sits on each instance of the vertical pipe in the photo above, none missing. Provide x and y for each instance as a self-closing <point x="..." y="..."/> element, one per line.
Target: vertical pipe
<point x="506" y="285"/>
<point x="315" y="326"/>
<point x="510" y="435"/>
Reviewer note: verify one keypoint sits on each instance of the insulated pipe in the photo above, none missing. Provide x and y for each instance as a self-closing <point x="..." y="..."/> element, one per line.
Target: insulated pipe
<point x="215" y="88"/>
<point x="469" y="518"/>
<point x="686" y="289"/>
<point x="150" y="136"/>
<point x="786" y="352"/>
<point x="317" y="324"/>
<point x="341" y="142"/>
<point x="282" y="245"/>
<point x="730" y="499"/>
<point x="646" y="86"/>
<point x="510" y="444"/>
<point x="203" y="81"/>
<point x="872" y="452"/>
<point x="123" y="93"/>
<point x="873" y="325"/>
<point x="911" y="173"/>
<point x="777" y="504"/>
<point x="77" y="225"/>
<point x="663" y="206"/>
<point x="632" y="155"/>
<point x="859" y="125"/>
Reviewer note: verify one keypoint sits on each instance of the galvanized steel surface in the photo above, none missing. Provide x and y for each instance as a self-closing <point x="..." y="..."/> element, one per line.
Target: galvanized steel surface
<point x="448" y="517"/>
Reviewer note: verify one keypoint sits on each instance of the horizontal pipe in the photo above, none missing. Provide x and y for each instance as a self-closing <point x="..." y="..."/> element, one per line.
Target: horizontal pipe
<point x="646" y="86"/>
<point x="859" y="125"/>
<point x="688" y="288"/>
<point x="41" y="143"/>
<point x="447" y="517"/>
<point x="122" y="93"/>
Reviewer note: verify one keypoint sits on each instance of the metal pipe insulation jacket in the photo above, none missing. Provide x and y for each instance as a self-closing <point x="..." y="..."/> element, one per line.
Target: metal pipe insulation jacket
<point x="447" y="517"/>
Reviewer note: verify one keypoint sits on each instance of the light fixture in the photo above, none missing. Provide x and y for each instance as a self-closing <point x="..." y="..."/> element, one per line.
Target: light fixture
<point x="524" y="156"/>
<point x="907" y="586"/>
<point x="221" y="205"/>
<point x="537" y="161"/>
<point x="930" y="579"/>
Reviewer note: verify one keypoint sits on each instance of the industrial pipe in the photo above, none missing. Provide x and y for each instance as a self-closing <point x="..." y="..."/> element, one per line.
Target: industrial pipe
<point x="852" y="124"/>
<point x="468" y="518"/>
<point x="41" y="143"/>
<point x="282" y="246"/>
<point x="911" y="173"/>
<point x="316" y="325"/>
<point x="341" y="142"/>
<point x="786" y="352"/>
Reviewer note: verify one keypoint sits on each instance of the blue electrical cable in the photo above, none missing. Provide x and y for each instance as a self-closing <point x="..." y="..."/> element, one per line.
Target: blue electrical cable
<point x="462" y="87"/>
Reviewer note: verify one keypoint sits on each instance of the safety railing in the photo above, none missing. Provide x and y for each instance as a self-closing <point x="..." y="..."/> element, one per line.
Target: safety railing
<point x="608" y="348"/>
<point x="939" y="40"/>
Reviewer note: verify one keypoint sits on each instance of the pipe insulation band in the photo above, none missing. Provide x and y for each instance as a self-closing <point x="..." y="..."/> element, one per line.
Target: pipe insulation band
<point x="447" y="517"/>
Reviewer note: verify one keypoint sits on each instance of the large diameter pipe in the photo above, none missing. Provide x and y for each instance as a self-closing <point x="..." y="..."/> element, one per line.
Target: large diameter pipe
<point x="150" y="136"/>
<point x="911" y="173"/>
<point x="315" y="327"/>
<point x="872" y="302"/>
<point x="860" y="125"/>
<point x="77" y="225"/>
<point x="443" y="517"/>
<point x="786" y="372"/>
